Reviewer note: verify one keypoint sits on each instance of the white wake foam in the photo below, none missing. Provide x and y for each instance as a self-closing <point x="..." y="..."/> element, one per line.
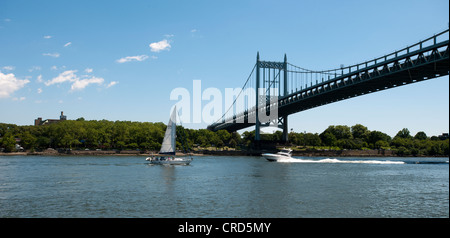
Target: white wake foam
<point x="334" y="161"/>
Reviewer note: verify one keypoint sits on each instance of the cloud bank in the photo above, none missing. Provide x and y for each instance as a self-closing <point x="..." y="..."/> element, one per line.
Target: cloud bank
<point x="9" y="84"/>
<point x="78" y="83"/>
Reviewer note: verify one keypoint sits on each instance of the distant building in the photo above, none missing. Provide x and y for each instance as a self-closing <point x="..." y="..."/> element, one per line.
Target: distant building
<point x="39" y="121"/>
<point x="444" y="136"/>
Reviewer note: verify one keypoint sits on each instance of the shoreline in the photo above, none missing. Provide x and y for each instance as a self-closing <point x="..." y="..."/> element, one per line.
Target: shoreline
<point x="324" y="153"/>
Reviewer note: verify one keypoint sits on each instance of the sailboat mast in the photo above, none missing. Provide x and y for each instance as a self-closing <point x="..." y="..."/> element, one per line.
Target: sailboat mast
<point x="169" y="145"/>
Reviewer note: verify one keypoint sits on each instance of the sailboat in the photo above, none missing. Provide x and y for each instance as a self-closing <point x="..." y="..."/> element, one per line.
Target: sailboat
<point x="166" y="154"/>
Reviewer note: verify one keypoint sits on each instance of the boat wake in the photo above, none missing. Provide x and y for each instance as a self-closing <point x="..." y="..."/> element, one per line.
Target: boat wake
<point x="337" y="161"/>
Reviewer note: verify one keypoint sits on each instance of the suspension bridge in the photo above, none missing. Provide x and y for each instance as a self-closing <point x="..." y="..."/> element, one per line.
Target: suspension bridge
<point x="274" y="90"/>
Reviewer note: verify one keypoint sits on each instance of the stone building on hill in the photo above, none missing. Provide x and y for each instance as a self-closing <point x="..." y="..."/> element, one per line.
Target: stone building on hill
<point x="39" y="121"/>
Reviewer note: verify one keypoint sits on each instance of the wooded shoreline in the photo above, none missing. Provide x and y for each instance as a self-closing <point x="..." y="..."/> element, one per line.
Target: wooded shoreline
<point x="82" y="137"/>
<point x="317" y="153"/>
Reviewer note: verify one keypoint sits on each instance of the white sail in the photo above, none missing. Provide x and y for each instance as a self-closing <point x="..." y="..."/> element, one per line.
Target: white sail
<point x="168" y="146"/>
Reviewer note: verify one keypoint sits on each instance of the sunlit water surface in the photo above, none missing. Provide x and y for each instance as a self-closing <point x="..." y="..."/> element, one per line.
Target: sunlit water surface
<point x="219" y="186"/>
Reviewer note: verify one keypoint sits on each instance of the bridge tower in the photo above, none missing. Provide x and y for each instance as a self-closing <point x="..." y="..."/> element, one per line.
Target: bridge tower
<point x="271" y="83"/>
<point x="285" y="118"/>
<point x="257" y="124"/>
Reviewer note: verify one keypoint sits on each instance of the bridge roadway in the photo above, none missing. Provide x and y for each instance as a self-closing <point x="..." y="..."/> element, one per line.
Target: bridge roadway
<point x="400" y="68"/>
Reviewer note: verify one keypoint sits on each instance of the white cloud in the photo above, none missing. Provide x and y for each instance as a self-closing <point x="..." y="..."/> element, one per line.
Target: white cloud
<point x="54" y="67"/>
<point x="19" y="99"/>
<point x="112" y="84"/>
<point x="9" y="84"/>
<point x="47" y="37"/>
<point x="39" y="78"/>
<point x="132" y="58"/>
<point x="67" y="44"/>
<point x="34" y="68"/>
<point x="159" y="46"/>
<point x="54" y="55"/>
<point x="39" y="90"/>
<point x="195" y="33"/>
<point x="82" y="83"/>
<point x="66" y="76"/>
<point x="8" y="68"/>
<point x="88" y="70"/>
<point x="78" y="83"/>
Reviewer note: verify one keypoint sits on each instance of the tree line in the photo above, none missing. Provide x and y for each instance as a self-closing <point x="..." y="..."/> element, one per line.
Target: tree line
<point x="127" y="135"/>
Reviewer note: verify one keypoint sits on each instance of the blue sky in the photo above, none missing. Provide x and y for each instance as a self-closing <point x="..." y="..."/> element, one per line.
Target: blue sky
<point x="120" y="60"/>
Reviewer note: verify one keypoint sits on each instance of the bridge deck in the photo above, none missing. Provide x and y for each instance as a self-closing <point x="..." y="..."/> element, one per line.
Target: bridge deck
<point x="422" y="64"/>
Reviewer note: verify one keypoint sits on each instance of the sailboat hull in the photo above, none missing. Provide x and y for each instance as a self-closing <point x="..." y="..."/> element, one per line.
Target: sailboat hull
<point x="169" y="161"/>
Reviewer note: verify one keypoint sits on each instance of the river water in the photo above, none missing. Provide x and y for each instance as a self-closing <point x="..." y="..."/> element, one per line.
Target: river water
<point x="219" y="186"/>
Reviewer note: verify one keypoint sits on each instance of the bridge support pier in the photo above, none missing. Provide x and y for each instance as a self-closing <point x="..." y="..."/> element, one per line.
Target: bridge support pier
<point x="284" y="126"/>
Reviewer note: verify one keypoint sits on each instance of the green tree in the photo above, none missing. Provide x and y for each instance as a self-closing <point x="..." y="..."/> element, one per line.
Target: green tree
<point x="223" y="135"/>
<point x="248" y="137"/>
<point x="8" y="142"/>
<point x="376" y="136"/>
<point x="403" y="151"/>
<point x="328" y="139"/>
<point x="43" y="142"/>
<point x="202" y="141"/>
<point x="28" y="140"/>
<point x="404" y="133"/>
<point x="301" y="139"/>
<point x="236" y="137"/>
<point x="133" y="146"/>
<point x="360" y="131"/>
<point x="120" y="145"/>
<point x="293" y="138"/>
<point x="233" y="143"/>
<point x="68" y="141"/>
<point x="312" y="139"/>
<point x="340" y="132"/>
<point x="144" y="145"/>
<point x="420" y="136"/>
<point x="399" y="142"/>
<point x="380" y="144"/>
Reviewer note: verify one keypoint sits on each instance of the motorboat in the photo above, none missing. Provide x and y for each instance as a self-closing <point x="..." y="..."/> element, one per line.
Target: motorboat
<point x="284" y="154"/>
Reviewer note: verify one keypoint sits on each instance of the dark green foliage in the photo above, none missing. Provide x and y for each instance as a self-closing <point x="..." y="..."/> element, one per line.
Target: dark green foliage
<point x="119" y="135"/>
